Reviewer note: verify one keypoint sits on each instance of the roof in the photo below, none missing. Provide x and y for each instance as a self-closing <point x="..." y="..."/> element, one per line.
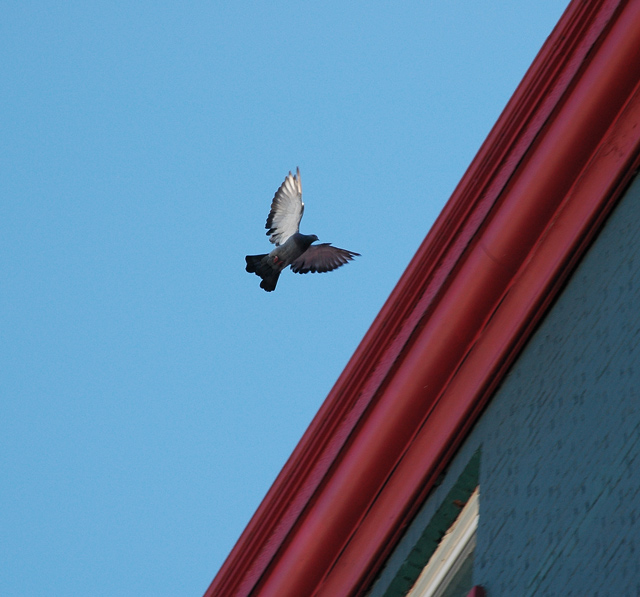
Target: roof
<point x="559" y="157"/>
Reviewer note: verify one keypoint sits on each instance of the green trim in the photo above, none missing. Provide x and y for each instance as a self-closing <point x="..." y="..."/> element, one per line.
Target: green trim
<point x="439" y="524"/>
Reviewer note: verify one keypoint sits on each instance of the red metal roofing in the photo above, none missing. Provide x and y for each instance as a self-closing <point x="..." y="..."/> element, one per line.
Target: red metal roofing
<point x="562" y="152"/>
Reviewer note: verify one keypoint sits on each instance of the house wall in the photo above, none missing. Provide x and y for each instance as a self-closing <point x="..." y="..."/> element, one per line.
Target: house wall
<point x="560" y="441"/>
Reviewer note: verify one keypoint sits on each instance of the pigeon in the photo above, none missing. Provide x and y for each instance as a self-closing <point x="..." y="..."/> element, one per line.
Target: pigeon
<point x="292" y="248"/>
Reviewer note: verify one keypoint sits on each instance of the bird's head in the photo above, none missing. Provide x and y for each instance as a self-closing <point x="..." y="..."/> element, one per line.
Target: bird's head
<point x="305" y="240"/>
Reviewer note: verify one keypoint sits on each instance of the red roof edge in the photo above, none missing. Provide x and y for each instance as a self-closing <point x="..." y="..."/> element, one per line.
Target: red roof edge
<point x="560" y="155"/>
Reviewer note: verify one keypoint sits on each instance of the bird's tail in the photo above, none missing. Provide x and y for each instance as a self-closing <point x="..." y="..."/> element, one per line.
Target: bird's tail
<point x="259" y="265"/>
<point x="253" y="263"/>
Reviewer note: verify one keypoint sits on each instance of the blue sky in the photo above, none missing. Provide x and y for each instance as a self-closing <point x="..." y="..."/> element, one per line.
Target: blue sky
<point x="150" y="390"/>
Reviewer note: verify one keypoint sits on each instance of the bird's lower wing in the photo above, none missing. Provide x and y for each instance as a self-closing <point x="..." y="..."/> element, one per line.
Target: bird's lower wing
<point x="322" y="258"/>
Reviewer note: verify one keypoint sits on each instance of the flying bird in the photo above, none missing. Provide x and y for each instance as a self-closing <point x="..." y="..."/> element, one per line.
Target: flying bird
<point x="292" y="248"/>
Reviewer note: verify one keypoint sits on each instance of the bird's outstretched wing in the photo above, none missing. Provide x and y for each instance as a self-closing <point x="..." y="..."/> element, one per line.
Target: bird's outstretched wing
<point x="322" y="258"/>
<point x="286" y="210"/>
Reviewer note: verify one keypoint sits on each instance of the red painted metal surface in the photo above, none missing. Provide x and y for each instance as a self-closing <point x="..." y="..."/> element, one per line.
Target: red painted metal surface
<point x="549" y="172"/>
<point x="477" y="591"/>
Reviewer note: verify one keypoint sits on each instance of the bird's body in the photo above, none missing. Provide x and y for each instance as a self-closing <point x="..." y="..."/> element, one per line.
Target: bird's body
<point x="269" y="266"/>
<point x="292" y="248"/>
